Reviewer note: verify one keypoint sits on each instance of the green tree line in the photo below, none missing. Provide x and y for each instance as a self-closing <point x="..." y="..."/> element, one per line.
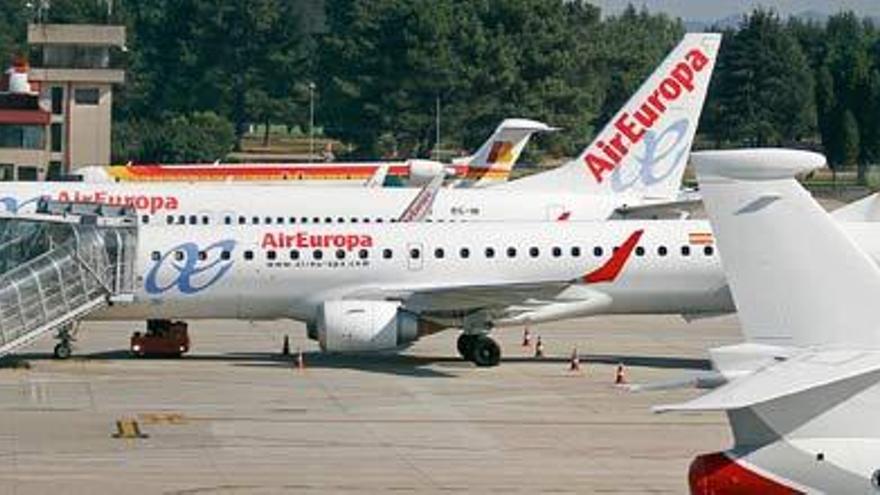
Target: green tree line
<point x="200" y="71"/>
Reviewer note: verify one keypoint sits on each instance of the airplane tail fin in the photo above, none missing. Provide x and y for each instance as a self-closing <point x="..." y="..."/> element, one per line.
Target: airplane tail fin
<point x="643" y="150"/>
<point x="797" y="278"/>
<point x="494" y="160"/>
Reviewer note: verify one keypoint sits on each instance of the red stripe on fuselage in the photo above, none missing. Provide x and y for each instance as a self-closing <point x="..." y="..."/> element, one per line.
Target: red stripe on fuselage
<point x="718" y="474"/>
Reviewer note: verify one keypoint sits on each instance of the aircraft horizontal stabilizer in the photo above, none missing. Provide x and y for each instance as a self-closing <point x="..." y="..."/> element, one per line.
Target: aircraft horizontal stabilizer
<point x="866" y="209"/>
<point x="806" y="371"/>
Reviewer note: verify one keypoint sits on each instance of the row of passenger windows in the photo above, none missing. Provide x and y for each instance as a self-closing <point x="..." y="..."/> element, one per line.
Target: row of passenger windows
<point x="439" y="253"/>
<point x="255" y="220"/>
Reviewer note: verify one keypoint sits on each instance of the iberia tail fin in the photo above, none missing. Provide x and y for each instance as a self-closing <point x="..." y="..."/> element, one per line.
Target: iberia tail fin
<point x="643" y="150"/>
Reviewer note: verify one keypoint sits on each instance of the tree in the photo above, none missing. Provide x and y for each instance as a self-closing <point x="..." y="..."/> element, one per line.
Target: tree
<point x="849" y="141"/>
<point x="196" y="137"/>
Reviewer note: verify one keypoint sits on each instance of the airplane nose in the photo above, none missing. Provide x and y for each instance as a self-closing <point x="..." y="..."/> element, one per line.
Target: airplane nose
<point x="720" y="474"/>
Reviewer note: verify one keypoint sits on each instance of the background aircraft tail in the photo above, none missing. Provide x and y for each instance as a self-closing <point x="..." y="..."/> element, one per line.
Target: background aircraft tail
<point x="494" y="160"/>
<point x="643" y="150"/>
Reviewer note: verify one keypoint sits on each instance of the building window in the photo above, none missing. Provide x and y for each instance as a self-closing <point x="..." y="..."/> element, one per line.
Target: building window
<point x="29" y="137"/>
<point x="86" y="96"/>
<point x="55" y="137"/>
<point x="7" y="172"/>
<point x="55" y="171"/>
<point x="57" y="100"/>
<point x="27" y="174"/>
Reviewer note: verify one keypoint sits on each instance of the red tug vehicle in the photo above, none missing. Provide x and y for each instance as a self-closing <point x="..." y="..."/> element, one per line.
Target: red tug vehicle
<point x="163" y="338"/>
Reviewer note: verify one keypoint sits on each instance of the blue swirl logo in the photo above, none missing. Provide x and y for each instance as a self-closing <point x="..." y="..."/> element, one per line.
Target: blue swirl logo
<point x="660" y="147"/>
<point x="13" y="205"/>
<point x="187" y="271"/>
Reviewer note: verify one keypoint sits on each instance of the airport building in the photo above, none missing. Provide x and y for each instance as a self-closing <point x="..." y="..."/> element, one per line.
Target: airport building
<point x="55" y="114"/>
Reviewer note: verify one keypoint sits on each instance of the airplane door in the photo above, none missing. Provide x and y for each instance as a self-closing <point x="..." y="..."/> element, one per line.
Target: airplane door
<point x="556" y="213"/>
<point x="415" y="255"/>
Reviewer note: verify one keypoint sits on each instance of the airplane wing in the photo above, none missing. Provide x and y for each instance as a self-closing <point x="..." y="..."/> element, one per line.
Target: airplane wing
<point x="804" y="372"/>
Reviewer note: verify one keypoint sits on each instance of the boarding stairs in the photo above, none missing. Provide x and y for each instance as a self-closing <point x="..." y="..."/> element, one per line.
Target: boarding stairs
<point x="61" y="263"/>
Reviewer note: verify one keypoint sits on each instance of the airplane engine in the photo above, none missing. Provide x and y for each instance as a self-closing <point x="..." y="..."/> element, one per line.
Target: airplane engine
<point x="352" y="326"/>
<point x="422" y="171"/>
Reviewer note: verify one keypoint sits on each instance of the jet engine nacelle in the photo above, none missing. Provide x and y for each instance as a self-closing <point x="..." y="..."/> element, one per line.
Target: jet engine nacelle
<point x="422" y="171"/>
<point x="352" y="326"/>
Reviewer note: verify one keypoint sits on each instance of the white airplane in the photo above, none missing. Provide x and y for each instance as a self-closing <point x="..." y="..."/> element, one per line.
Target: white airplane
<point x="491" y="164"/>
<point x="634" y="165"/>
<point x="802" y="391"/>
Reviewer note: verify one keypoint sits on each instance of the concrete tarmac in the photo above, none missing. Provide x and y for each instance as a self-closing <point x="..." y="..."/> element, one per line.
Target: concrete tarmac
<point x="236" y="417"/>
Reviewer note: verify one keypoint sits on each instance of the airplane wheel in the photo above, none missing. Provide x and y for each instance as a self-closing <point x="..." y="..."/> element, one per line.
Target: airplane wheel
<point x="465" y="345"/>
<point x="62" y="350"/>
<point x="486" y="352"/>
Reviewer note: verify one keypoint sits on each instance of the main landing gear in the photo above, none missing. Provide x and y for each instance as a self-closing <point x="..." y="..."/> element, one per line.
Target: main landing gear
<point x="65" y="336"/>
<point x="479" y="349"/>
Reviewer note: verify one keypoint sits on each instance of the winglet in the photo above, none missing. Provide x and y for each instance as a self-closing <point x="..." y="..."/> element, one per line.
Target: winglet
<point x="612" y="268"/>
<point x="757" y="164"/>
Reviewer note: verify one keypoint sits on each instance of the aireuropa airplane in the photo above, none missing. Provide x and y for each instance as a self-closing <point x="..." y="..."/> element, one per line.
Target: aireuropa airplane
<point x="634" y="165"/>
<point x="801" y="393"/>
<point x="491" y="164"/>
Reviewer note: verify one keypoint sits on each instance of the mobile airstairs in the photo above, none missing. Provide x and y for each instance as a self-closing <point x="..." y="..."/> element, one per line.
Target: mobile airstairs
<point x="59" y="264"/>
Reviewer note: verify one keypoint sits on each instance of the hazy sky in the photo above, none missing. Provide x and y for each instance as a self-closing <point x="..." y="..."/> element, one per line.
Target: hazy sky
<point x="710" y="10"/>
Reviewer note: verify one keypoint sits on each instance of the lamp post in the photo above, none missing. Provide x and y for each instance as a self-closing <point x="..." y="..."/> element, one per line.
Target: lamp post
<point x="311" y="121"/>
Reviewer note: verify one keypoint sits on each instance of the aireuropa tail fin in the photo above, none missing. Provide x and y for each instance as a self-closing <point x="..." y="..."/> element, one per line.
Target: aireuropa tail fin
<point x="797" y="278"/>
<point x="643" y="150"/>
<point x="494" y="160"/>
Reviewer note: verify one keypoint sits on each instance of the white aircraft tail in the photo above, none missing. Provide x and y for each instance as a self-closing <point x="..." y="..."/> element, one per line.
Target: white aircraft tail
<point x="643" y="150"/>
<point x="797" y="279"/>
<point x="494" y="160"/>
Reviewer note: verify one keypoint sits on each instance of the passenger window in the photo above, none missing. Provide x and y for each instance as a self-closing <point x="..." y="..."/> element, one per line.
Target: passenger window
<point x="255" y="220"/>
<point x="685" y="250"/>
<point x="661" y="250"/>
<point x="225" y="255"/>
<point x="575" y="251"/>
<point x="268" y="221"/>
<point x="415" y="253"/>
<point x="271" y="255"/>
<point x="203" y="255"/>
<point x="204" y="220"/>
<point x="439" y="254"/>
<point x="597" y="251"/>
<point x="227" y="220"/>
<point x="304" y="220"/>
<point x="178" y="255"/>
<point x="378" y="220"/>
<point x="292" y="219"/>
<point x="354" y="220"/>
<point x="464" y="253"/>
<point x="316" y="220"/>
<point x="155" y="256"/>
<point x="145" y="219"/>
<point x="340" y="220"/>
<point x="490" y="252"/>
<point x="340" y="254"/>
<point x="317" y="254"/>
<point x="328" y="220"/>
<point x="387" y="254"/>
<point x="511" y="252"/>
<point x="193" y="220"/>
<point x="294" y="254"/>
<point x="534" y="252"/>
<point x="169" y="219"/>
<point x="708" y="250"/>
<point x="248" y="255"/>
<point x="279" y="220"/>
<point x="181" y="219"/>
<point x="242" y="220"/>
<point x="363" y="254"/>
<point x="557" y="252"/>
<point x="640" y="251"/>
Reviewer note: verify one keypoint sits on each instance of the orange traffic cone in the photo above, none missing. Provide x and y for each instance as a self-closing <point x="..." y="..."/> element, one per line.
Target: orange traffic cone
<point x="539" y="348"/>
<point x="620" y="375"/>
<point x="300" y="360"/>
<point x="285" y="349"/>
<point x="527" y="338"/>
<point x="575" y="361"/>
